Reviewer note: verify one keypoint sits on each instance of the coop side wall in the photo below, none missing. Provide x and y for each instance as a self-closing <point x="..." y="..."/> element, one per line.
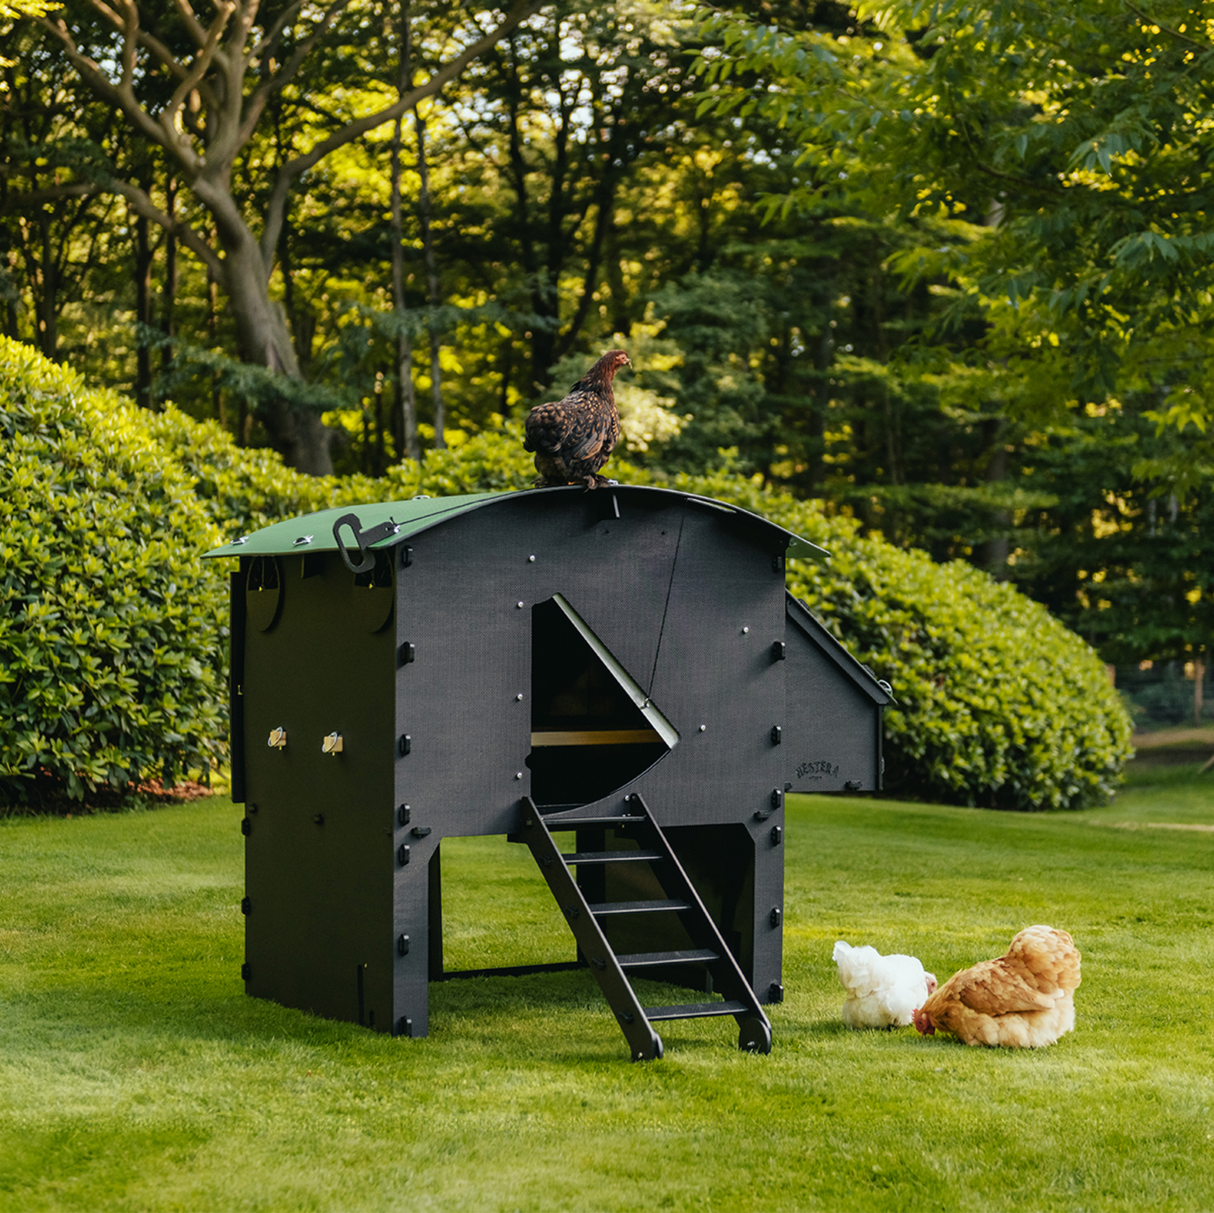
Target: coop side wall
<point x="319" y="827"/>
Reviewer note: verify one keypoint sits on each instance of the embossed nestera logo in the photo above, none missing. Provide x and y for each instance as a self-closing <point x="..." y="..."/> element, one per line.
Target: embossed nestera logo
<point x="817" y="770"/>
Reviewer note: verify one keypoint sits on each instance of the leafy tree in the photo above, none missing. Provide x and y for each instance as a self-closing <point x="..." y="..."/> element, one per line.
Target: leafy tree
<point x="204" y="95"/>
<point x="1073" y="140"/>
<point x="1127" y="564"/>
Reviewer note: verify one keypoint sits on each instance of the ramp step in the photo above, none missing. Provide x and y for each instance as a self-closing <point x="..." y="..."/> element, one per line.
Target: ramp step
<point x="641" y="960"/>
<point x="696" y="1010"/>
<point x="585" y="857"/>
<point x="578" y="823"/>
<point x="601" y="908"/>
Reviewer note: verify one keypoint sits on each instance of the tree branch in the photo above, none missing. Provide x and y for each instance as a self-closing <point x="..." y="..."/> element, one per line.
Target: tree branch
<point x="1172" y="33"/>
<point x="521" y="10"/>
<point x="143" y="205"/>
<point x="18" y="202"/>
<point x="191" y="22"/>
<point x="201" y="65"/>
<point x="281" y="78"/>
<point x="121" y="97"/>
<point x="269" y="43"/>
<point x="146" y="40"/>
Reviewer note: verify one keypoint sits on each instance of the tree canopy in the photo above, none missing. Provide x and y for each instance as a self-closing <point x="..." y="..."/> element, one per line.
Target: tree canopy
<point x="940" y="266"/>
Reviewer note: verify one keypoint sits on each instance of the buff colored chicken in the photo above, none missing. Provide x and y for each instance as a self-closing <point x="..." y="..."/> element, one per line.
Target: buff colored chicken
<point x="882" y="991"/>
<point x="1023" y="1000"/>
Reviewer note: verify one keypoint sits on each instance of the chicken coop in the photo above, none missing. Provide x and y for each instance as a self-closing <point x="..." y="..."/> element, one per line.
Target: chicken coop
<point x="620" y="668"/>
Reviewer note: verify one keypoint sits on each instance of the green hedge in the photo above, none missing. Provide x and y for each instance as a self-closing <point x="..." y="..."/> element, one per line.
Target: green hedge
<point x="998" y="704"/>
<point x="110" y="626"/>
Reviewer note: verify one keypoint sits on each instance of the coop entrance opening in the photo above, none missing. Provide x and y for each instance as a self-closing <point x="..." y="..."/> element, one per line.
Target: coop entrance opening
<point x="593" y="728"/>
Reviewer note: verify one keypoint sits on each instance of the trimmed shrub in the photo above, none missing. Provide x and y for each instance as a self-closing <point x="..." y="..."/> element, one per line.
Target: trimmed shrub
<point x="110" y="626"/>
<point x="999" y="705"/>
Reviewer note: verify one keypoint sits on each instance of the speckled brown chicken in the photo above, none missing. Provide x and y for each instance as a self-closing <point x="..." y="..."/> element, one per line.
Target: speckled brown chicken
<point x="572" y="438"/>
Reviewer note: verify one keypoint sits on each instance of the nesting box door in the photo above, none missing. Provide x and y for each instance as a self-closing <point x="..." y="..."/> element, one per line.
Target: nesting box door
<point x="833" y="712"/>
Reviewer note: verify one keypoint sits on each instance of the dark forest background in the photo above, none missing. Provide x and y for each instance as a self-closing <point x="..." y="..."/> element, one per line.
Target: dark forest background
<point x="942" y="268"/>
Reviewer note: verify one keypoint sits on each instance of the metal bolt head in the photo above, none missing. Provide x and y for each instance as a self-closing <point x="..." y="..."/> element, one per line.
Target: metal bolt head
<point x="518" y="699"/>
<point x="519" y="605"/>
<point x="530" y="559"/>
<point x="746" y="631"/>
<point x="703" y="728"/>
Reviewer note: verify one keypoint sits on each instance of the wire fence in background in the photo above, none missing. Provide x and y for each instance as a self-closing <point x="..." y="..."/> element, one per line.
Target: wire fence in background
<point x="1166" y="694"/>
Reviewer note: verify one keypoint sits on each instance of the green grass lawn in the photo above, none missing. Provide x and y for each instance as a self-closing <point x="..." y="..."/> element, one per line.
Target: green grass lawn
<point x="135" y="1074"/>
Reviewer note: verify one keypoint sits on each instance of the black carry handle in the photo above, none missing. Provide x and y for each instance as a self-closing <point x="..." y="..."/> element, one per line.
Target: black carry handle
<point x="364" y="539"/>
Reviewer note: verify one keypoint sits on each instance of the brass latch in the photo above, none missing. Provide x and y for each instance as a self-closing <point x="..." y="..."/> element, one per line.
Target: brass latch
<point x="331" y="744"/>
<point x="278" y="738"/>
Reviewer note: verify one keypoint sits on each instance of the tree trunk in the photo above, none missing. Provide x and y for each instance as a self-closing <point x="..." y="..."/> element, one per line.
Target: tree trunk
<point x="406" y="401"/>
<point x="207" y="128"/>
<point x="298" y="434"/>
<point x="169" y="295"/>
<point x="47" y="311"/>
<point x="212" y="325"/>
<point x="143" y="312"/>
<point x="995" y="551"/>
<point x="434" y="292"/>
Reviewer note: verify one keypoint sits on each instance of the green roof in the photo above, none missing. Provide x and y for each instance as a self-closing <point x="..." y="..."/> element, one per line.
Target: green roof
<point x="314" y="532"/>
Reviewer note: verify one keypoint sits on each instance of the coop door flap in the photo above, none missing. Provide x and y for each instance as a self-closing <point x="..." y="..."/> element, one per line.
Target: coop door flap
<point x="593" y="728"/>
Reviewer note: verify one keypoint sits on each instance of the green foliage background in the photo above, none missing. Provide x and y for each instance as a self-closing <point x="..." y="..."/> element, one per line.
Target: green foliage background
<point x="944" y="268"/>
<point x="112" y="631"/>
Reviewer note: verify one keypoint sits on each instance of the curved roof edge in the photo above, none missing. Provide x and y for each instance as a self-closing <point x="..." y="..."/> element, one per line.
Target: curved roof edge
<point x="314" y="532"/>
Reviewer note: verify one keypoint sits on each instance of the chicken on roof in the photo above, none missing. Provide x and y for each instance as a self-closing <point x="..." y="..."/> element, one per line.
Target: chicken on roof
<point x="572" y="438"/>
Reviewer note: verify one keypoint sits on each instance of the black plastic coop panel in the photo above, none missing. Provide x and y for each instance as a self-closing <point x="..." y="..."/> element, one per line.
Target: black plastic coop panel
<point x="624" y="663"/>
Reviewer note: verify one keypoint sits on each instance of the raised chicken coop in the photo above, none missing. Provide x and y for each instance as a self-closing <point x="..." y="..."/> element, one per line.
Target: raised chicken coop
<point x="623" y="664"/>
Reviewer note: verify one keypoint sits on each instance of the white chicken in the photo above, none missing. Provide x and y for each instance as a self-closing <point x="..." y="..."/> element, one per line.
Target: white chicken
<point x="882" y="991"/>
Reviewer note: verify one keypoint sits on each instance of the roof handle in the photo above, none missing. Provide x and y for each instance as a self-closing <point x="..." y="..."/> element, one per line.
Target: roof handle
<point x="363" y="540"/>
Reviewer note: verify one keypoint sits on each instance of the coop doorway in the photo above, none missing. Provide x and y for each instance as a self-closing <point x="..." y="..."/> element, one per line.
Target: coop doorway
<point x="593" y="728"/>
